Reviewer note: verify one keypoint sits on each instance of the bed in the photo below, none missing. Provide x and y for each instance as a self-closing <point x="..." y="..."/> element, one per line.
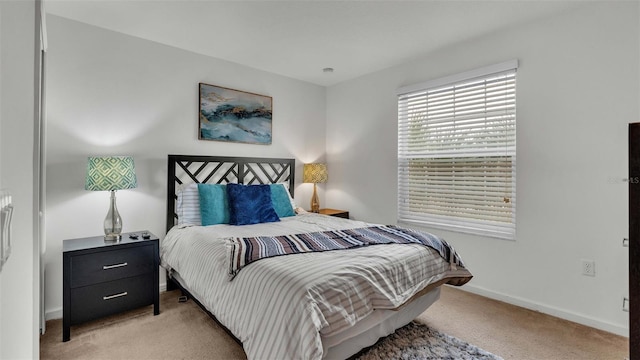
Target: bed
<point x="311" y="305"/>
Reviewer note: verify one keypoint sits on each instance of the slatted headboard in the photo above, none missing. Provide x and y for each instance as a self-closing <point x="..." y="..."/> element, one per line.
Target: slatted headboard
<point x="186" y="169"/>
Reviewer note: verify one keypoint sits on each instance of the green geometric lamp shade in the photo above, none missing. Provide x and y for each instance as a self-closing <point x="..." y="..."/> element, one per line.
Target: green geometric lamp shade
<point x="110" y="173"/>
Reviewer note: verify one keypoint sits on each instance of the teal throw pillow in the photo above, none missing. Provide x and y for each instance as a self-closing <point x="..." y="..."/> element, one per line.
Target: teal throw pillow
<point x="281" y="201"/>
<point x="214" y="206"/>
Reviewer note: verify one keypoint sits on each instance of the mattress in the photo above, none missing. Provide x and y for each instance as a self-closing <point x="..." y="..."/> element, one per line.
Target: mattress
<point x="301" y="306"/>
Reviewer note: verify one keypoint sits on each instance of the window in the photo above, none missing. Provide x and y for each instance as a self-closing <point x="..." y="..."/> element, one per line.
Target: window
<point x="457" y="152"/>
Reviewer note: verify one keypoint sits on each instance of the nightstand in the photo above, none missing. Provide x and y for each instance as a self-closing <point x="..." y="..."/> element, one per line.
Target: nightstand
<point x="102" y="278"/>
<point x="334" y="212"/>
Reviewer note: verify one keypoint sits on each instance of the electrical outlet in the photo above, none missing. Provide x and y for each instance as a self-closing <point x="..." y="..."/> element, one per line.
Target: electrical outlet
<point x="588" y="267"/>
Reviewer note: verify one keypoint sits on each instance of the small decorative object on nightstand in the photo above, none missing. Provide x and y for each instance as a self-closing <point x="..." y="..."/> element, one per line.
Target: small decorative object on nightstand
<point x="315" y="173"/>
<point x="104" y="278"/>
<point x="334" y="212"/>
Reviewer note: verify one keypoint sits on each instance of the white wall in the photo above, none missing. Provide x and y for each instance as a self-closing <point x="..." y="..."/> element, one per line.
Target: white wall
<point x="18" y="291"/>
<point x="111" y="94"/>
<point x="577" y="90"/>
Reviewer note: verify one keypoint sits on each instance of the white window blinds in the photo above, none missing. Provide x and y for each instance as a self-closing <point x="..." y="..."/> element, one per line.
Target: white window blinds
<point x="457" y="152"/>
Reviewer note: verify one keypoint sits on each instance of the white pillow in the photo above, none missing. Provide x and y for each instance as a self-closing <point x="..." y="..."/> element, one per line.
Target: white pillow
<point x="188" y="205"/>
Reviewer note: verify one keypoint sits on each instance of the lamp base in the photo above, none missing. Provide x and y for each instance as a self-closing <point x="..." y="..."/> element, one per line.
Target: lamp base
<point x="113" y="237"/>
<point x="113" y="221"/>
<point x="315" y="201"/>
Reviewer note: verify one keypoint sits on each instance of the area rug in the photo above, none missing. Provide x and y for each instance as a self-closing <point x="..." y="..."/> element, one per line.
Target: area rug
<point x="417" y="341"/>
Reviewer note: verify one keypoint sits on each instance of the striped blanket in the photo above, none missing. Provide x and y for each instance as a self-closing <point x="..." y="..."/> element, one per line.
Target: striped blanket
<point x="244" y="251"/>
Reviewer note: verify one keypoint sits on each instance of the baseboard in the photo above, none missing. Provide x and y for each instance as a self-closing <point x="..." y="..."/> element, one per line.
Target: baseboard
<point x="57" y="313"/>
<point x="549" y="310"/>
<point x="53" y="314"/>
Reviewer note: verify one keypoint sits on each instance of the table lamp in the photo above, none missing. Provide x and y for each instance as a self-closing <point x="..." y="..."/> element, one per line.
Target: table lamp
<point x="111" y="173"/>
<point x="315" y="173"/>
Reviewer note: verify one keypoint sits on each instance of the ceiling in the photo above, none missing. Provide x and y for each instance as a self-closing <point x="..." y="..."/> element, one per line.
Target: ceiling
<point x="299" y="38"/>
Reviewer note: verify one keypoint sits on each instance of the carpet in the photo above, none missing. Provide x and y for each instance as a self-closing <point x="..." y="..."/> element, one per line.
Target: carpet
<point x="417" y="341"/>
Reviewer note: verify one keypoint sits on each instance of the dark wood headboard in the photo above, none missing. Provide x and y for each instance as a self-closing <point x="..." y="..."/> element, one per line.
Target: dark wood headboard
<point x="186" y="169"/>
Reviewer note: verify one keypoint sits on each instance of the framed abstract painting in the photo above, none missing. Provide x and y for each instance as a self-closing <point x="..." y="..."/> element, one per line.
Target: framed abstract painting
<point x="234" y="116"/>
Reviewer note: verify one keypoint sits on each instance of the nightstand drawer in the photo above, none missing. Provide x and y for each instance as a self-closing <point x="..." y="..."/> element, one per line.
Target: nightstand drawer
<point x="104" y="266"/>
<point x="344" y="215"/>
<point x="95" y="301"/>
<point x="334" y="212"/>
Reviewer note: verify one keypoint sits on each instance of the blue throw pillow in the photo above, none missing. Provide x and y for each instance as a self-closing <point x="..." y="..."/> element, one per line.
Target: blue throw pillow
<point x="214" y="208"/>
<point x="281" y="202"/>
<point x="250" y="204"/>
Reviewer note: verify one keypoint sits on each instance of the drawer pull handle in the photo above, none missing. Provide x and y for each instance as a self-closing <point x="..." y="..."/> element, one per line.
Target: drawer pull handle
<point x="114" y="296"/>
<point x="107" y="267"/>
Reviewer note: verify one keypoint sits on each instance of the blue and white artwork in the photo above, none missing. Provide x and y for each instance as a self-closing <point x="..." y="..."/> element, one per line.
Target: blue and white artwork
<point x="236" y="116"/>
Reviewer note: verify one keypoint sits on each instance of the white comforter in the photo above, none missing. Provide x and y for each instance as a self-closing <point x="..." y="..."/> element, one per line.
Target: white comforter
<point x="279" y="307"/>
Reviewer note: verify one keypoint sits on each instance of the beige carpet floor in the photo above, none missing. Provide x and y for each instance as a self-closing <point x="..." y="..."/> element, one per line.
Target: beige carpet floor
<point x="184" y="331"/>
